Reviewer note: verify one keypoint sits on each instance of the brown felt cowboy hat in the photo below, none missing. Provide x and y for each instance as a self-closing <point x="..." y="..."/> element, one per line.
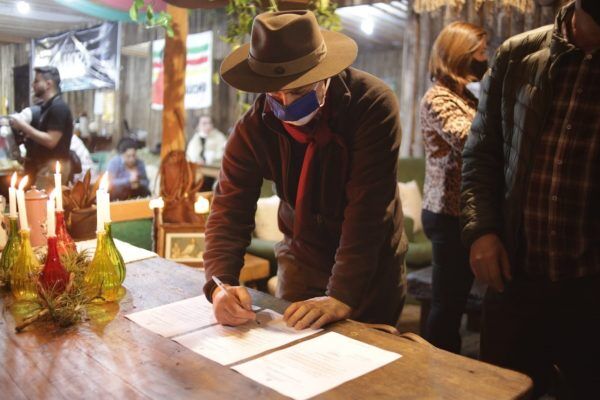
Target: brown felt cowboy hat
<point x="287" y="50"/>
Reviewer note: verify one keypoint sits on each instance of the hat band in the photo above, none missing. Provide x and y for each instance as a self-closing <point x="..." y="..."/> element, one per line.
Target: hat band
<point x="293" y="67"/>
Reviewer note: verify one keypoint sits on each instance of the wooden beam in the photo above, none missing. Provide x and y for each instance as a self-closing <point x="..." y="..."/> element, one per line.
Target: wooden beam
<point x="7" y="38"/>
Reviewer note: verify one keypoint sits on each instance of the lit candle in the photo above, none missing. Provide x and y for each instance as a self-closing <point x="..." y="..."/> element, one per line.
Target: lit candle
<point x="12" y="196"/>
<point x="58" y="188"/>
<point x="102" y="214"/>
<point x="201" y="206"/>
<point x="21" y="203"/>
<point x="106" y="204"/>
<point x="50" y="216"/>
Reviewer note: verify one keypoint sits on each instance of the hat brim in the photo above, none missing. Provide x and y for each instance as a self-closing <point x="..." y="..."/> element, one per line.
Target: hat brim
<point x="341" y="53"/>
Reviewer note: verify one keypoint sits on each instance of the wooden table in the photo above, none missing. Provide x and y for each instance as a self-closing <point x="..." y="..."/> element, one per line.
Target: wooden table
<point x="111" y="357"/>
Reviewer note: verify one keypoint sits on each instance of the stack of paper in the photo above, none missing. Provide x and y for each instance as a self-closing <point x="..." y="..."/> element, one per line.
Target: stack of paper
<point x="315" y="366"/>
<point x="227" y="344"/>
<point x="176" y="318"/>
<point x="300" y="371"/>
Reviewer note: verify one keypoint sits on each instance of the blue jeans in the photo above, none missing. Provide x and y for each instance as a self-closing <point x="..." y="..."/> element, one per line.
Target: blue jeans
<point x="451" y="280"/>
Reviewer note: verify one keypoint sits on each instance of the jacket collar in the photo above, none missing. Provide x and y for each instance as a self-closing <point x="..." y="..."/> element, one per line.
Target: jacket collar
<point x="560" y="42"/>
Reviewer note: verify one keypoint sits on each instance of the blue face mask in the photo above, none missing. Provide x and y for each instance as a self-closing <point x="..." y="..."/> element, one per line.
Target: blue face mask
<point x="299" y="112"/>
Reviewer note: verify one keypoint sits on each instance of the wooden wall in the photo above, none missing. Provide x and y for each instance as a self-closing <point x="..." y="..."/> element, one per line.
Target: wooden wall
<point x="499" y="22"/>
<point x="11" y="55"/>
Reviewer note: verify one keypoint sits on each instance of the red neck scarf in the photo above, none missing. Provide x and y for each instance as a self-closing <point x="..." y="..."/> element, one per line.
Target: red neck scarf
<point x="320" y="138"/>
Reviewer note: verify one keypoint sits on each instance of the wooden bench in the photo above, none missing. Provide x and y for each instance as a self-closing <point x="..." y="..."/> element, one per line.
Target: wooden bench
<point x="419" y="287"/>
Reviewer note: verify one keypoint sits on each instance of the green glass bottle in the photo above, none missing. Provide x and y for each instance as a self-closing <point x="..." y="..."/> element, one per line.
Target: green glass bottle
<point x="103" y="278"/>
<point x="10" y="252"/>
<point x="115" y="255"/>
<point x="25" y="271"/>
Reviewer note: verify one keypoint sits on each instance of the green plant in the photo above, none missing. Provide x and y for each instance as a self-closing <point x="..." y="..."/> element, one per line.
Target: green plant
<point x="150" y="18"/>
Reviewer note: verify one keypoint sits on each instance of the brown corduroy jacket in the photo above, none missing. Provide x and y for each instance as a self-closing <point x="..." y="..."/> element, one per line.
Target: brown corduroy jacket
<point x="354" y="231"/>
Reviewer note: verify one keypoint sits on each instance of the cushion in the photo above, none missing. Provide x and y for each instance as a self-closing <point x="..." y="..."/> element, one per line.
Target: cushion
<point x="412" y="203"/>
<point x="266" y="219"/>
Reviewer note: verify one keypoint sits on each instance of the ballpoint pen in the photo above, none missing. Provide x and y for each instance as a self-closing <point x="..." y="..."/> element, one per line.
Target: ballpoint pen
<point x="224" y="289"/>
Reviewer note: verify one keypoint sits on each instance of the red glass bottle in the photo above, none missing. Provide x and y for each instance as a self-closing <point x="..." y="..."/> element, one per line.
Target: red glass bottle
<point x="54" y="277"/>
<point x="65" y="242"/>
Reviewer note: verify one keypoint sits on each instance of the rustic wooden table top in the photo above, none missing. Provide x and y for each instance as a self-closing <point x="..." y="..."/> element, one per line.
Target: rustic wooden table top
<point x="112" y="357"/>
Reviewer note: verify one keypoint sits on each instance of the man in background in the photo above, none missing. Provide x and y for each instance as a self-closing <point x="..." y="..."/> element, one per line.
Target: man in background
<point x="530" y="194"/>
<point x="50" y="140"/>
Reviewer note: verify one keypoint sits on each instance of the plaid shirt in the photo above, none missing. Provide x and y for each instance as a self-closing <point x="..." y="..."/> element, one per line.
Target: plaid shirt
<point x="562" y="206"/>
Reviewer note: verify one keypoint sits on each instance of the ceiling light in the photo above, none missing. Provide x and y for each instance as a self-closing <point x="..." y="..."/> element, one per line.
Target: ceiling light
<point x="23" y="7"/>
<point x="367" y="26"/>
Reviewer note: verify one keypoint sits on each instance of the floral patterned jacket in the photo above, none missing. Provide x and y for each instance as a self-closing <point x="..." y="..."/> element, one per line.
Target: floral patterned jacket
<point x="445" y="123"/>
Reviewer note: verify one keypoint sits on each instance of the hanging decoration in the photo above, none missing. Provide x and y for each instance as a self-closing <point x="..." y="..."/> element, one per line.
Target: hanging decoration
<point x="426" y="6"/>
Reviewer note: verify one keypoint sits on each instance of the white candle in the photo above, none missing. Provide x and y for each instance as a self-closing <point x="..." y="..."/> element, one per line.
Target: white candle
<point x="12" y="196"/>
<point x="21" y="203"/>
<point x="201" y="206"/>
<point x="102" y="203"/>
<point x="51" y="217"/>
<point x="58" y="188"/>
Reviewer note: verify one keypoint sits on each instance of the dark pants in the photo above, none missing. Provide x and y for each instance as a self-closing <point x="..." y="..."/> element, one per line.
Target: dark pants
<point x="451" y="281"/>
<point x="534" y="326"/>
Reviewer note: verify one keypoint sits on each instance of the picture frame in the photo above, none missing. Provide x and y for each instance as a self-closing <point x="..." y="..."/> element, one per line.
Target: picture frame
<point x="185" y="247"/>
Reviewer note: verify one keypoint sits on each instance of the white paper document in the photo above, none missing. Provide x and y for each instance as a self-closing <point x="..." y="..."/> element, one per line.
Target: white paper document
<point x="176" y="318"/>
<point x="129" y="252"/>
<point x="316" y="366"/>
<point x="227" y="345"/>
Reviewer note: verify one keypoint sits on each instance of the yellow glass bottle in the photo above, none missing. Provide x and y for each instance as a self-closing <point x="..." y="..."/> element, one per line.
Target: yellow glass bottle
<point x="115" y="255"/>
<point x="11" y="251"/>
<point x="103" y="278"/>
<point x="25" y="271"/>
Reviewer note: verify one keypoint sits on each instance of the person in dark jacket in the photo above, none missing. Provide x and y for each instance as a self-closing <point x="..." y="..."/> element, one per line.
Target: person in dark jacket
<point x="530" y="195"/>
<point x="328" y="136"/>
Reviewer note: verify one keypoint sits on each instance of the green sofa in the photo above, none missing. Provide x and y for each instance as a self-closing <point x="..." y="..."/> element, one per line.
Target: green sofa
<point x="419" y="248"/>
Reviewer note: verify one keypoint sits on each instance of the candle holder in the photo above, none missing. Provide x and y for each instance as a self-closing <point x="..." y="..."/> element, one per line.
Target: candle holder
<point x="11" y="251"/>
<point x="114" y="253"/>
<point x="54" y="277"/>
<point x="65" y="243"/>
<point x="24" y="274"/>
<point x="103" y="277"/>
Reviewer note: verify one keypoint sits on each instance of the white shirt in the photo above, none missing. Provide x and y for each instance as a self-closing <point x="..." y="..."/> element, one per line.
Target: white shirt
<point x="214" y="147"/>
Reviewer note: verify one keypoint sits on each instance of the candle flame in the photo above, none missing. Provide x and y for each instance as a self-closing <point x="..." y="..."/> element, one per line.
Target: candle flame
<point x="104" y="182"/>
<point x="23" y="182"/>
<point x="57" y="167"/>
<point x="13" y="180"/>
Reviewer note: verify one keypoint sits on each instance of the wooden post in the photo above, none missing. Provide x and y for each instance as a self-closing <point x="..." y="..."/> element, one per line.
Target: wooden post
<point x="173" y="137"/>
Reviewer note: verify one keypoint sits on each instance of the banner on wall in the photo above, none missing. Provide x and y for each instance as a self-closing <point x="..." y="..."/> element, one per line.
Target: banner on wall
<point x="198" y="72"/>
<point x="86" y="58"/>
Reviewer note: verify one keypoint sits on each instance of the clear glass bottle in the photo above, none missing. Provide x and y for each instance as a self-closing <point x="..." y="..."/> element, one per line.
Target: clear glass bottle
<point x="25" y="271"/>
<point x="11" y="251"/>
<point x="103" y="277"/>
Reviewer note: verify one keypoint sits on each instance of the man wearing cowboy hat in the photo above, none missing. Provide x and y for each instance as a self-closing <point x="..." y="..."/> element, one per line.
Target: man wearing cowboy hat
<point x="328" y="136"/>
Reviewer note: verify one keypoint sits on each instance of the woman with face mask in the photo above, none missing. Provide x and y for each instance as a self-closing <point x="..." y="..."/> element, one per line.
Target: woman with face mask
<point x="458" y="58"/>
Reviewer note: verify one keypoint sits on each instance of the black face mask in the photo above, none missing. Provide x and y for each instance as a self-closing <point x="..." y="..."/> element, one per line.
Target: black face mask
<point x="478" y="68"/>
<point x="592" y="8"/>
